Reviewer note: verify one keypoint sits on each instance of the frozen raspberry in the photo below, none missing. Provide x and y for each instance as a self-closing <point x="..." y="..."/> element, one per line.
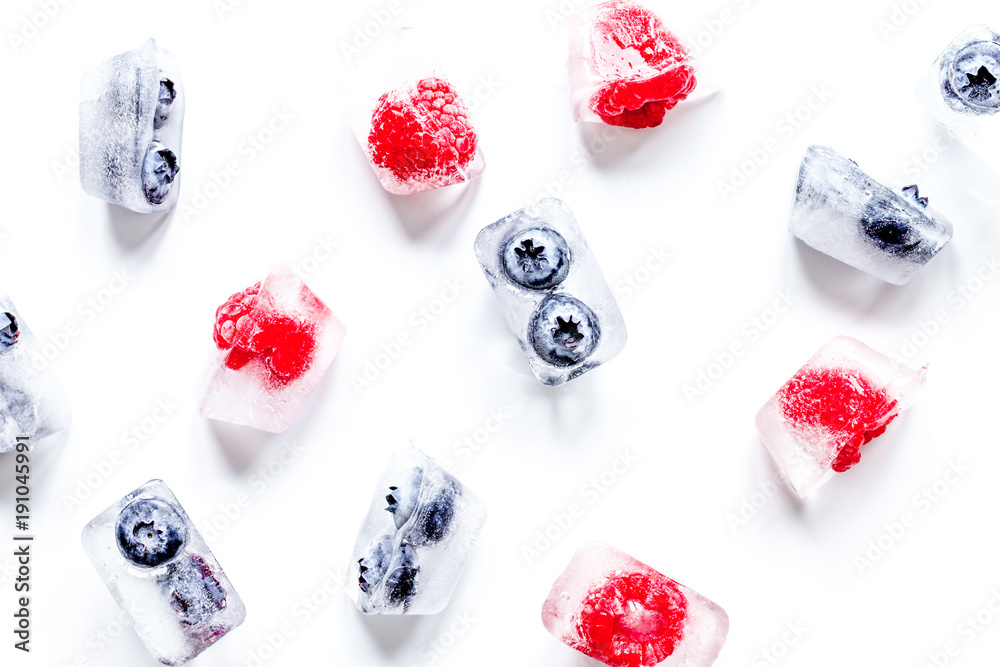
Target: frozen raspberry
<point x="842" y="402"/>
<point x="632" y="620"/>
<point x="423" y="134"/>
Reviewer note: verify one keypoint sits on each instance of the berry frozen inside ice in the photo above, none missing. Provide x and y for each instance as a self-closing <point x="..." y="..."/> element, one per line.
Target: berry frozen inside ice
<point x="843" y="398"/>
<point x="615" y="609"/>
<point x="625" y="67"/>
<point x="536" y="258"/>
<point x="150" y="532"/>
<point x="564" y="331"/>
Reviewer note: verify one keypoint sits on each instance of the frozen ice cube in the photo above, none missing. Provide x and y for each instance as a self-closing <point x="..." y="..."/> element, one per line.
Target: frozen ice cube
<point x="962" y="92"/>
<point x="843" y="398"/>
<point x="131" y="120"/>
<point x="625" y="67"/>
<point x="275" y="341"/>
<point x="615" y="609"/>
<point x="412" y="123"/>
<point x="33" y="402"/>
<point x="551" y="291"/>
<point x="162" y="574"/>
<point x="414" y="542"/>
<point x="843" y="212"/>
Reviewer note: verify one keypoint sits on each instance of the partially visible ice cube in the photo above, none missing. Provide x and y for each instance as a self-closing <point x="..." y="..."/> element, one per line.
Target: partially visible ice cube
<point x="615" y="609"/>
<point x="843" y="212"/>
<point x="275" y="340"/>
<point x="551" y="291"/>
<point x="414" y="542"/>
<point x="844" y="397"/>
<point x="33" y="403"/>
<point x="131" y="121"/>
<point x="162" y="574"/>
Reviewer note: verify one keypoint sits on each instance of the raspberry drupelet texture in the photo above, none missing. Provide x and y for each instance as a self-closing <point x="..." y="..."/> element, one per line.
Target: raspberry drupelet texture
<point x="423" y="134"/>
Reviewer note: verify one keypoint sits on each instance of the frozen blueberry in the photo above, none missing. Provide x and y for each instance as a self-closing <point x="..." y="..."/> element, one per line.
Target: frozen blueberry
<point x="402" y="499"/>
<point x="536" y="258"/>
<point x="434" y="518"/>
<point x="9" y="329"/>
<point x="150" y="532"/>
<point x="401" y="583"/>
<point x="563" y="330"/>
<point x="971" y="77"/>
<point x="164" y="103"/>
<point x="20" y="407"/>
<point x="888" y="226"/>
<point x="374" y="565"/>
<point x="196" y="596"/>
<point x="159" y="169"/>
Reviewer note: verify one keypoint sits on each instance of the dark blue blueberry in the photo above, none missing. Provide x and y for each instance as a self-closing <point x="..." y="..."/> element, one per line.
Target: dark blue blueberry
<point x="536" y="258"/>
<point x="434" y="517"/>
<point x="150" y="532"/>
<point x="401" y="583"/>
<point x="563" y="331"/>
<point x="970" y="77"/>
<point x="373" y="566"/>
<point x="9" y="329"/>
<point x="402" y="498"/>
<point x="159" y="169"/>
<point x="196" y="596"/>
<point x="889" y="226"/>
<point x="164" y="103"/>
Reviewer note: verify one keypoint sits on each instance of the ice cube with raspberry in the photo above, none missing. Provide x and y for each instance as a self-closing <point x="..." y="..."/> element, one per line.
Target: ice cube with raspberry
<point x="625" y="68"/>
<point x="131" y="122"/>
<point x="618" y="610"/>
<point x="413" y="124"/>
<point x="551" y="291"/>
<point x="414" y="542"/>
<point x="843" y="398"/>
<point x="274" y="341"/>
<point x="160" y="571"/>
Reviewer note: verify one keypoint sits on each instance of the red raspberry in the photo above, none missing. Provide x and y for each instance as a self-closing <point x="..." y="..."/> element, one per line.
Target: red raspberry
<point x="632" y="620"/>
<point x="423" y="134"/>
<point x="842" y="402"/>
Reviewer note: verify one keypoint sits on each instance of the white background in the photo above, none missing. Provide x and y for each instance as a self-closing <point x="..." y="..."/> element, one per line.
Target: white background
<point x="635" y="194"/>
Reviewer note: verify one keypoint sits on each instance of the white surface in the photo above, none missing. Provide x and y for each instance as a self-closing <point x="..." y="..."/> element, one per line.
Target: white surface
<point x="689" y="466"/>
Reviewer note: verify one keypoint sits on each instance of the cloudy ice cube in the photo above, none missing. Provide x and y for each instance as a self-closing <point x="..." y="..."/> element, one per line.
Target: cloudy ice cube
<point x="419" y="532"/>
<point x="843" y="398"/>
<point x="131" y="121"/>
<point x="33" y="403"/>
<point x="843" y="212"/>
<point x="617" y="610"/>
<point x="161" y="573"/>
<point x="551" y="291"/>
<point x="275" y="341"/>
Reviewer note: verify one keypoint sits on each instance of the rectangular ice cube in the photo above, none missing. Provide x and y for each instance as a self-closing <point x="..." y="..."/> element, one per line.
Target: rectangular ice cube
<point x="131" y="121"/>
<point x="841" y="399"/>
<point x="843" y="212"/>
<point x="551" y="291"/>
<point x="162" y="574"/>
<point x="33" y="402"/>
<point x="275" y="341"/>
<point x="418" y="534"/>
<point x="654" y="619"/>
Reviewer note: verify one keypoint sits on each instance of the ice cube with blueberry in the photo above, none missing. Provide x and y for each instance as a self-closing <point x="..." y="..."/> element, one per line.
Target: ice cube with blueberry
<point x="845" y="213"/>
<point x="274" y="341"/>
<point x="961" y="90"/>
<point x="131" y="122"/>
<point x="551" y="291"/>
<point x="419" y="532"/>
<point x="625" y="68"/>
<point x="412" y="123"/>
<point x="618" y="610"/>
<point x="33" y="402"/>
<point x="842" y="398"/>
<point x="162" y="574"/>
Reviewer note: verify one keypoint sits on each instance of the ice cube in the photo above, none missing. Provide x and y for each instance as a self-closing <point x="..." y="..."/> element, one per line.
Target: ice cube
<point x="962" y="92"/>
<point x="551" y="291"/>
<point x="843" y="212"/>
<point x="419" y="532"/>
<point x="275" y="341"/>
<point x="412" y="123"/>
<point x="161" y="573"/>
<point x="615" y="609"/>
<point x="843" y="398"/>
<point x="33" y="403"/>
<point x="625" y="67"/>
<point x="131" y="120"/>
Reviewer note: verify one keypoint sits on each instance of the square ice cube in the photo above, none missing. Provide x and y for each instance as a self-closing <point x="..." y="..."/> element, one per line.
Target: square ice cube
<point x="418" y="534"/>
<point x="275" y="341"/>
<point x="843" y="212"/>
<point x="551" y="291"/>
<point x="162" y="574"/>
<point x="131" y="121"/>
<point x="841" y="399"/>
<point x="617" y="610"/>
